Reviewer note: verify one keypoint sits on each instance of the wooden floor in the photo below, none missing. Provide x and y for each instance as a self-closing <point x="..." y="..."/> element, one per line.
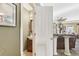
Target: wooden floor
<point x="27" y="53"/>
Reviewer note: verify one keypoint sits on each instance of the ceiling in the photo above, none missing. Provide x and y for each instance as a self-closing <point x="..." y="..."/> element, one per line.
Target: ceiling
<point x="67" y="10"/>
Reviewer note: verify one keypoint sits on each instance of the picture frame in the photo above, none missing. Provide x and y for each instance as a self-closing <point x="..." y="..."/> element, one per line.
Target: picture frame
<point x="8" y="14"/>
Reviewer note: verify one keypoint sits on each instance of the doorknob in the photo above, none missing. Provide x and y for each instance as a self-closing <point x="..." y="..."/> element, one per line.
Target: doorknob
<point x="34" y="34"/>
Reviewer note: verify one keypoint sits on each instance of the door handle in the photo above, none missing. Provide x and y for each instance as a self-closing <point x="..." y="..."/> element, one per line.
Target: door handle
<point x="34" y="34"/>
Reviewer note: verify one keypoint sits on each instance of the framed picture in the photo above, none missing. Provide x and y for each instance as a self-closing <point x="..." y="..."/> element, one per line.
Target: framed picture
<point x="7" y="14"/>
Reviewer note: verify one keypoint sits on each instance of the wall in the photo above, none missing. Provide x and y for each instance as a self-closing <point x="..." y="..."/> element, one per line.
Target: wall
<point x="10" y="38"/>
<point x="25" y="23"/>
<point x="43" y="28"/>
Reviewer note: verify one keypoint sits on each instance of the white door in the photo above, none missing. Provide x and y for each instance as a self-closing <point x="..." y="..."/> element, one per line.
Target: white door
<point x="44" y="31"/>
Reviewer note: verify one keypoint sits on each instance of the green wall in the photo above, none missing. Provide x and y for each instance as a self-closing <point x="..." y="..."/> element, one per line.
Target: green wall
<point x="10" y="38"/>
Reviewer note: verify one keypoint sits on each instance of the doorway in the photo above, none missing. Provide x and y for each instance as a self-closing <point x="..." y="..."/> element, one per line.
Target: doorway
<point x="27" y="16"/>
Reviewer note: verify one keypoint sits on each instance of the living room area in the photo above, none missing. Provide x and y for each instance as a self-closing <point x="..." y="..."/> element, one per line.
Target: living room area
<point x="66" y="29"/>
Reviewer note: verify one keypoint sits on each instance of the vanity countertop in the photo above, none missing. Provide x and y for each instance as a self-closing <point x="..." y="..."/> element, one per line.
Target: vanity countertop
<point x="65" y="34"/>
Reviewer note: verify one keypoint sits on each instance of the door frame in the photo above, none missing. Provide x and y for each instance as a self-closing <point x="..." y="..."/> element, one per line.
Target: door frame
<point x="21" y="34"/>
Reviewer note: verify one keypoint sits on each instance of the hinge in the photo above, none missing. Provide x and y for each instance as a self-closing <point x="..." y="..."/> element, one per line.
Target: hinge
<point x="34" y="54"/>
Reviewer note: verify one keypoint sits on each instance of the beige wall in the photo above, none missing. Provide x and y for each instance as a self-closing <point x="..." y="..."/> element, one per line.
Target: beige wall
<point x="10" y="39"/>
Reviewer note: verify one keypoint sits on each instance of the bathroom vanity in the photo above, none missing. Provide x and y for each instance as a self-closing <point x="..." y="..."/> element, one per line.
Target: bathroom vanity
<point x="66" y="42"/>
